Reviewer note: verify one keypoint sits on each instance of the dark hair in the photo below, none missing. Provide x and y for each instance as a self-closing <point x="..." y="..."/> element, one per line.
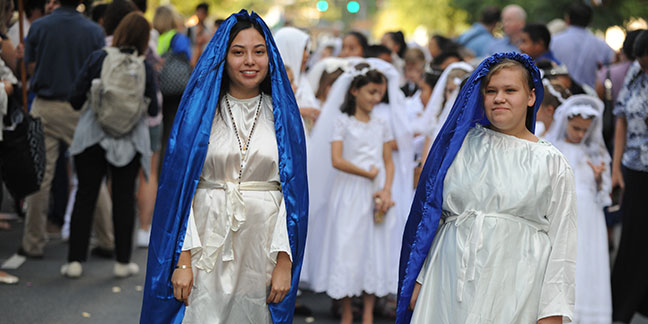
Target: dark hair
<point x="372" y="76"/>
<point x="446" y="55"/>
<point x="32" y="5"/>
<point x="579" y="14"/>
<point x="115" y="12"/>
<point x="490" y="15"/>
<point x="538" y="32"/>
<point x="545" y="65"/>
<point x="140" y="4"/>
<point x="133" y="31"/>
<point x="327" y="79"/>
<point x="398" y="38"/>
<point x="362" y="39"/>
<point x="641" y="44"/>
<point x="513" y="64"/>
<point x="445" y="44"/>
<point x="243" y="24"/>
<point x="203" y="6"/>
<point x="628" y="43"/>
<point x="376" y="51"/>
<point x="69" y="3"/>
<point x="432" y="76"/>
<point x="98" y="12"/>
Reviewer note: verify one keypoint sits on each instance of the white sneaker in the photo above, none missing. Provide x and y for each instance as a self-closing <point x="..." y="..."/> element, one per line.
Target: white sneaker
<point x="143" y="238"/>
<point x="72" y="269"/>
<point x="123" y="270"/>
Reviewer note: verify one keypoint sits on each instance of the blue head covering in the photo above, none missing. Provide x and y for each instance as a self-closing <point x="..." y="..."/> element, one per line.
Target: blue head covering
<point x="183" y="162"/>
<point x="425" y="213"/>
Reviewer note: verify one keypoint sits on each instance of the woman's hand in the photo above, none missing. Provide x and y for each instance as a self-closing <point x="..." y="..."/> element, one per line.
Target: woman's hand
<point x="281" y="277"/>
<point x="551" y="320"/>
<point x="415" y="293"/>
<point x="617" y="178"/>
<point x="8" y="87"/>
<point x="182" y="280"/>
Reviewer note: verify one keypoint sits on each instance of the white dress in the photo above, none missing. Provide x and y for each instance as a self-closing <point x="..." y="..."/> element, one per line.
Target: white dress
<point x="355" y="250"/>
<point x="234" y="236"/>
<point x="593" y="292"/>
<point x="506" y="253"/>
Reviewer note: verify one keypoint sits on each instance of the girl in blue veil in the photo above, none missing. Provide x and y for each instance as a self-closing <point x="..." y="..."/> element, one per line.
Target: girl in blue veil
<point x="229" y="227"/>
<point x="491" y="236"/>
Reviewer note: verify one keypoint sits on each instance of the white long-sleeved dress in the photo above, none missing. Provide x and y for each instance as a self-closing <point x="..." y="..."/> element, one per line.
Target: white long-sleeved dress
<point x="506" y="252"/>
<point x="234" y="235"/>
<point x="593" y="291"/>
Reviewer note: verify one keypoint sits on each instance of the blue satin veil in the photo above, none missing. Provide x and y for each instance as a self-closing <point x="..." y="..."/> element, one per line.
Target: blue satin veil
<point x="183" y="162"/>
<point x="425" y="214"/>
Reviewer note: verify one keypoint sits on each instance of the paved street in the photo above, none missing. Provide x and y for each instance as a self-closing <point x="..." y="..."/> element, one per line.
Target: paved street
<point x="43" y="296"/>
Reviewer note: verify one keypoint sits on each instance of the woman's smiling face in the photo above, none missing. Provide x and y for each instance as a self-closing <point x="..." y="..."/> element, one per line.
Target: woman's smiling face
<point x="247" y="63"/>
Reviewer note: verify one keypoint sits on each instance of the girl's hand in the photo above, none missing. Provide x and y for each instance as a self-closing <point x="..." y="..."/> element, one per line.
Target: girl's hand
<point x="310" y="113"/>
<point x="551" y="320"/>
<point x="373" y="172"/>
<point x="385" y="200"/>
<point x="598" y="170"/>
<point x="182" y="280"/>
<point x="281" y="277"/>
<point x="415" y="293"/>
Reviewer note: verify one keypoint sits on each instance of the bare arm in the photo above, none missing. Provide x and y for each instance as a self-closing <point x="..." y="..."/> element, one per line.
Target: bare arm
<point x="182" y="278"/>
<point x="281" y="276"/>
<point x="619" y="147"/>
<point x="345" y="166"/>
<point x="551" y="320"/>
<point x="385" y="194"/>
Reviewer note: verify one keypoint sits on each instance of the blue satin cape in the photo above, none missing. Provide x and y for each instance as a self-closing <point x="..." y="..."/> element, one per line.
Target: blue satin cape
<point x="425" y="213"/>
<point x="183" y="162"/>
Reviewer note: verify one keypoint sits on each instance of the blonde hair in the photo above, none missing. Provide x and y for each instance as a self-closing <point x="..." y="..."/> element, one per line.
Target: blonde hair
<point x="414" y="55"/>
<point x="165" y="19"/>
<point x="508" y="64"/>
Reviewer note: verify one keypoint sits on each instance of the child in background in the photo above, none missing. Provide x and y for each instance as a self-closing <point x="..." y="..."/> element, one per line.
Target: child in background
<point x="577" y="133"/>
<point x="535" y="40"/>
<point x="555" y="95"/>
<point x="414" y="68"/>
<point x="355" y="247"/>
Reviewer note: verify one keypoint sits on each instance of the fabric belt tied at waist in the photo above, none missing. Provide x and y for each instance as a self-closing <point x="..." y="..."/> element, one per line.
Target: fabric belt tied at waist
<point x="475" y="242"/>
<point x="234" y="216"/>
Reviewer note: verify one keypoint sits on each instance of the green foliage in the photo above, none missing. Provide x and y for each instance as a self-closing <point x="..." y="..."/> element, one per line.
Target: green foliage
<point x="406" y="15"/>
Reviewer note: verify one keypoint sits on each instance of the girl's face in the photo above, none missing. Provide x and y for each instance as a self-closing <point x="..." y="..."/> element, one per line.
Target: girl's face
<point x="433" y="47"/>
<point x="577" y="127"/>
<point x="369" y="95"/>
<point x="351" y="47"/>
<point x="426" y="92"/>
<point x="247" y="63"/>
<point x="506" y="98"/>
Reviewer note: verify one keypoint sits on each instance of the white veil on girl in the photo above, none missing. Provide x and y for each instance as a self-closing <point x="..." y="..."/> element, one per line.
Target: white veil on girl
<point x="585" y="106"/>
<point x="292" y="43"/>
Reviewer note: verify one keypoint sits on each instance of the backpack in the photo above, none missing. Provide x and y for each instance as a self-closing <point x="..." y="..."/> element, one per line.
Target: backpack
<point x="175" y="73"/>
<point x="117" y="97"/>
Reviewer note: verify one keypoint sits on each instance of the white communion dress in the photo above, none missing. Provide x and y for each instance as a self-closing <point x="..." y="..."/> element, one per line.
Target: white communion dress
<point x="235" y="232"/>
<point x="355" y="249"/>
<point x="593" y="291"/>
<point x="506" y="251"/>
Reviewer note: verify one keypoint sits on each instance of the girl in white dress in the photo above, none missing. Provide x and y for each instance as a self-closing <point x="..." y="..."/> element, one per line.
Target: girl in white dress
<point x="355" y="246"/>
<point x="577" y="131"/>
<point x="506" y="249"/>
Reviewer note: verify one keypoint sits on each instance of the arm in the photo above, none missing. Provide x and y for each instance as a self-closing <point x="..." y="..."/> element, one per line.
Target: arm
<point x="281" y="276"/>
<point x="182" y="278"/>
<point x="558" y="284"/>
<point x="345" y="166"/>
<point x="90" y="70"/>
<point x="8" y="54"/>
<point x="619" y="147"/>
<point x="551" y="320"/>
<point x="151" y="90"/>
<point x="385" y="193"/>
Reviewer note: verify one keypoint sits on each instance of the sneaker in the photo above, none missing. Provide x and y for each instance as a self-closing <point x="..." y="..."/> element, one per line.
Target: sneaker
<point x="143" y="238"/>
<point x="123" y="270"/>
<point x="72" y="269"/>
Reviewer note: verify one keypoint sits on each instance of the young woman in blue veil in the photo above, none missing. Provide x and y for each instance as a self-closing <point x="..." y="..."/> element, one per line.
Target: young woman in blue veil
<point x="230" y="219"/>
<point x="491" y="236"/>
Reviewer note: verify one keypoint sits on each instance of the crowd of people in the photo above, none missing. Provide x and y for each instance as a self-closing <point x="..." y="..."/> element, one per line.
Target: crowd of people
<point x="477" y="179"/>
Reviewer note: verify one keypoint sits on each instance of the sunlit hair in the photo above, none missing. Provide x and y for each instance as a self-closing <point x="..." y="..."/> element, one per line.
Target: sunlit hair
<point x="164" y="19"/>
<point x="528" y="85"/>
<point x="372" y="76"/>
